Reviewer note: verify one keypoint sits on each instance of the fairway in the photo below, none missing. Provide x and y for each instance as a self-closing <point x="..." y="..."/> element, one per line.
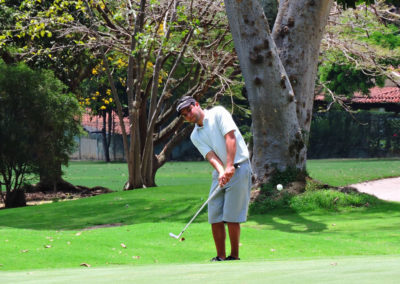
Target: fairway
<point x="123" y="236"/>
<point x="371" y="269"/>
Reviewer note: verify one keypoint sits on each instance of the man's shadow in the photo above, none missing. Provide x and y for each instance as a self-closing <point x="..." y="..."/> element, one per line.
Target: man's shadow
<point x="289" y="221"/>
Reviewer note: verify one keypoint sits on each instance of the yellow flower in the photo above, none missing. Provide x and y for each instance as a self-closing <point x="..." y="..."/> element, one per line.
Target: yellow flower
<point x="108" y="92"/>
<point x="97" y="94"/>
<point x="94" y="71"/>
<point x="110" y="100"/>
<point x="121" y="63"/>
<point x="106" y="102"/>
<point x="103" y="107"/>
<point x="161" y="30"/>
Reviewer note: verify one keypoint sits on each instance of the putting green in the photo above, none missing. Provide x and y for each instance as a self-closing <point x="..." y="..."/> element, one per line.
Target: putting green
<point x="369" y="269"/>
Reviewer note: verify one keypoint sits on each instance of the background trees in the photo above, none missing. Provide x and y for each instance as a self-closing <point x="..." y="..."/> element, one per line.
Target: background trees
<point x="360" y="49"/>
<point x="152" y="52"/>
<point x="168" y="48"/>
<point x="38" y="122"/>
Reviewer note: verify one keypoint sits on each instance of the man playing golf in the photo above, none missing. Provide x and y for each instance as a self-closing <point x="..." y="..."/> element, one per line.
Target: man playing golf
<point x="218" y="139"/>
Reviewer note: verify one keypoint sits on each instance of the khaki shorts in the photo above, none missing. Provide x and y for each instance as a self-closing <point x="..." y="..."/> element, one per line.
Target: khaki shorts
<point x="232" y="202"/>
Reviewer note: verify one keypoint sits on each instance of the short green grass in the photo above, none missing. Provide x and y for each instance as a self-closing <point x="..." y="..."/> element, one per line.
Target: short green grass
<point x="61" y="235"/>
<point x="114" y="175"/>
<point x="340" y="172"/>
<point x="365" y="269"/>
<point x="335" y="172"/>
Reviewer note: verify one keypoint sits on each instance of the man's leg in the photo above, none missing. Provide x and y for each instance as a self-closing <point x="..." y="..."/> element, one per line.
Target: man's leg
<point x="218" y="230"/>
<point x="234" y="237"/>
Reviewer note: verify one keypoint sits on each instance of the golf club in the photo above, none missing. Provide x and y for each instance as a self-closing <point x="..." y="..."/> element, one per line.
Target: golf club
<point x="215" y="192"/>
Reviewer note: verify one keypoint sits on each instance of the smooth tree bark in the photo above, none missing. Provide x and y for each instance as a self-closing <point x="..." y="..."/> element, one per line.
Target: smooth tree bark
<point x="298" y="32"/>
<point x="279" y="71"/>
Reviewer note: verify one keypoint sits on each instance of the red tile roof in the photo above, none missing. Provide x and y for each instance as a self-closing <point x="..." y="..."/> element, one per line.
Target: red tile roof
<point x="377" y="96"/>
<point x="95" y="123"/>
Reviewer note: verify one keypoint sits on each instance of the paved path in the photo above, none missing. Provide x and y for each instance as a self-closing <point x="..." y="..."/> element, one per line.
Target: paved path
<point x="385" y="189"/>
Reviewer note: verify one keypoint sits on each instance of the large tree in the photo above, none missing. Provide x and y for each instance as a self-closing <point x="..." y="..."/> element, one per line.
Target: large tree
<point x="279" y="68"/>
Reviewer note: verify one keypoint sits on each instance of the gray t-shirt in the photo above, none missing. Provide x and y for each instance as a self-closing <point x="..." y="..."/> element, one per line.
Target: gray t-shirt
<point x="210" y="137"/>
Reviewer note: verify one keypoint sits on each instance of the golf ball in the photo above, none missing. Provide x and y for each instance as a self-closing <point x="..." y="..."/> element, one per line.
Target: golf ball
<point x="279" y="187"/>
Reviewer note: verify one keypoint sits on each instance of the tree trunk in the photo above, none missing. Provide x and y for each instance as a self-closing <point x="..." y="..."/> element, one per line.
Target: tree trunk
<point x="298" y="31"/>
<point x="50" y="177"/>
<point x="135" y="179"/>
<point x="106" y="137"/>
<point x="276" y="134"/>
<point x="281" y="114"/>
<point x="15" y="198"/>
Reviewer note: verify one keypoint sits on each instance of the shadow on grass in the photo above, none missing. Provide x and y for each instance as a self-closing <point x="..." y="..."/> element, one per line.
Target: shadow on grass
<point x="289" y="221"/>
<point x="124" y="207"/>
<point x="158" y="205"/>
<point x="293" y="222"/>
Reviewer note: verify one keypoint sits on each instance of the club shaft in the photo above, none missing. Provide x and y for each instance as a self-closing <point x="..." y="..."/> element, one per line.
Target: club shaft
<point x="215" y="192"/>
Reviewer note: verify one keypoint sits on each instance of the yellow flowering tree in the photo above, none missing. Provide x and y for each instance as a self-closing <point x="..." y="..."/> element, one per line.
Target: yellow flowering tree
<point x="159" y="50"/>
<point x="96" y="97"/>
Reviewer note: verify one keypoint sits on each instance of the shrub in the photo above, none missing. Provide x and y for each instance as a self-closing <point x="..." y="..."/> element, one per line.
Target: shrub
<point x="268" y="203"/>
<point x="38" y="122"/>
<point x="312" y="200"/>
<point x="330" y="200"/>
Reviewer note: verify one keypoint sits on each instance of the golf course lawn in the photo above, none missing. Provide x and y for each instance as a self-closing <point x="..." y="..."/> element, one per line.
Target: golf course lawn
<point x="367" y="269"/>
<point x="124" y="236"/>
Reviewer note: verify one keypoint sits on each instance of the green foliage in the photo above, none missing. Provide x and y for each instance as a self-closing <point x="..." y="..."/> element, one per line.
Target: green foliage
<point x="270" y="198"/>
<point x="353" y="3"/>
<point x="330" y="200"/>
<point x="38" y="123"/>
<point x="345" y="79"/>
<point x="287" y="176"/>
<point x="389" y="38"/>
<point x="270" y="202"/>
<point x="359" y="51"/>
<point x="313" y="199"/>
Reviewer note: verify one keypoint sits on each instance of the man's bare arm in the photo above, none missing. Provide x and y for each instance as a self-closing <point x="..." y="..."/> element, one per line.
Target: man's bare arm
<point x="230" y="141"/>
<point x="217" y="164"/>
<point x="225" y="174"/>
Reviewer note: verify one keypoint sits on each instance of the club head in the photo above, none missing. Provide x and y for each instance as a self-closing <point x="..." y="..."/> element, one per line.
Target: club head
<point x="173" y="236"/>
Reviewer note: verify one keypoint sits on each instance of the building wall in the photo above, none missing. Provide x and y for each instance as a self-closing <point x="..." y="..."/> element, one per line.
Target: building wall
<point x="90" y="147"/>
